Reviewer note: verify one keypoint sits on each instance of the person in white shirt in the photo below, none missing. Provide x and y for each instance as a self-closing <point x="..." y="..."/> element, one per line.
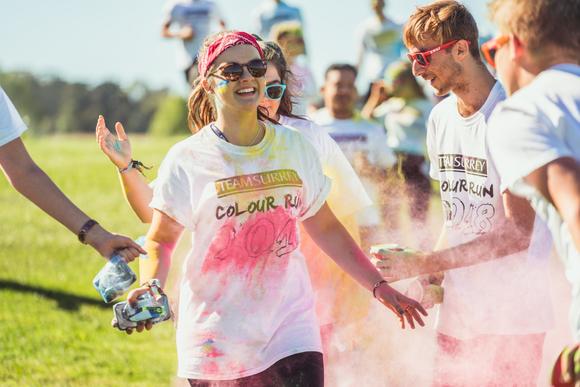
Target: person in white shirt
<point x="290" y="37"/>
<point x="240" y="185"/>
<point x="363" y="142"/>
<point x="534" y="135"/>
<point x="404" y="115"/>
<point x="494" y="251"/>
<point x="381" y="43"/>
<point x="190" y="21"/>
<point x="272" y="12"/>
<point x="32" y="182"/>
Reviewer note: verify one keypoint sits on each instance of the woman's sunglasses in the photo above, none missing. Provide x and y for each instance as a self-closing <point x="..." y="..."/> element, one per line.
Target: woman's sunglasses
<point x="275" y="91"/>
<point x="424" y="57"/>
<point x="489" y="48"/>
<point x="233" y="71"/>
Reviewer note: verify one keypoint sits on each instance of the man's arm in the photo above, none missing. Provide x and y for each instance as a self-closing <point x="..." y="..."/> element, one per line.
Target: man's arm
<point x="509" y="237"/>
<point x="559" y="182"/>
<point x="31" y="181"/>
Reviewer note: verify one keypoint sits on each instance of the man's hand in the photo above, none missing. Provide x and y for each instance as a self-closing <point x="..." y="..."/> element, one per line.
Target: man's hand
<point x="107" y="244"/>
<point x="397" y="266"/>
<point x="186" y="33"/>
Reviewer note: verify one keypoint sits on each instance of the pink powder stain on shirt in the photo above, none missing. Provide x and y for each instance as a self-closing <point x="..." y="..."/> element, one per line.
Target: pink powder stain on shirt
<point x="262" y="243"/>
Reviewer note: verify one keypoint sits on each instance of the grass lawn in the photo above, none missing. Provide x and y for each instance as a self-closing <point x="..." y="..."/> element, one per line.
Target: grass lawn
<point x="54" y="329"/>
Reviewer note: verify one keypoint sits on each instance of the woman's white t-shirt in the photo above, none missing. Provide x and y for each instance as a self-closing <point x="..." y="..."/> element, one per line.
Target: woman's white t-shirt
<point x="11" y="125"/>
<point x="245" y="297"/>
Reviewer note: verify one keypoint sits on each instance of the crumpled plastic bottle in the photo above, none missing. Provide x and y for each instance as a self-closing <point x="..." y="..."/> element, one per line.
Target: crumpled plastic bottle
<point x="114" y="279"/>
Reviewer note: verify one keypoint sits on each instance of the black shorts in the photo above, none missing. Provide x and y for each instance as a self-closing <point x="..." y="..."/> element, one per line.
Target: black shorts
<point x="304" y="369"/>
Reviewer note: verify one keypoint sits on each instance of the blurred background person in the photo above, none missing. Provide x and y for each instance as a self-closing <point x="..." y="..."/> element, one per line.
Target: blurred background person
<point x="272" y="12"/>
<point x="380" y="43"/>
<point x="404" y="112"/>
<point x="290" y="37"/>
<point x="363" y="142"/>
<point x="190" y="21"/>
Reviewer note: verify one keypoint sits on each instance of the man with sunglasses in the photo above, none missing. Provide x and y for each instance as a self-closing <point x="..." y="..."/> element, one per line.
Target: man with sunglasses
<point x="496" y="309"/>
<point x="534" y="135"/>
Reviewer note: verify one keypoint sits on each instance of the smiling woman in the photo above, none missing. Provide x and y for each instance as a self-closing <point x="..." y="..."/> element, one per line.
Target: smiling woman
<point x="240" y="185"/>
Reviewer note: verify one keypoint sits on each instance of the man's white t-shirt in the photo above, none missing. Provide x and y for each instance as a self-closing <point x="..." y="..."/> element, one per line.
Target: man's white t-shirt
<point x="360" y="140"/>
<point x="245" y="296"/>
<point x="381" y="45"/>
<point x="535" y="126"/>
<point x="202" y="16"/>
<point x="504" y="296"/>
<point x="11" y="124"/>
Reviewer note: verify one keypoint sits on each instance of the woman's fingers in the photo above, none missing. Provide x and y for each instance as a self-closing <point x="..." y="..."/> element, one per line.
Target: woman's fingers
<point x="121" y="135"/>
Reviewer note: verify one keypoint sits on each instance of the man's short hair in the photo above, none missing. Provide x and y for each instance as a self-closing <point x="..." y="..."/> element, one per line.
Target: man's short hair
<point x="442" y="21"/>
<point x="540" y="23"/>
<point x="340" y="67"/>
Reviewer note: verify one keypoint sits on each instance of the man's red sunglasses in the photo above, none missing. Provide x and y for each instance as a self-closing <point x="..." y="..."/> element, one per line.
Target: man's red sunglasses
<point x="424" y="57"/>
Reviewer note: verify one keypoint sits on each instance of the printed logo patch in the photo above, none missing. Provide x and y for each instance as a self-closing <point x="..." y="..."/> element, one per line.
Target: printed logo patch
<point x="257" y="182"/>
<point x="461" y="163"/>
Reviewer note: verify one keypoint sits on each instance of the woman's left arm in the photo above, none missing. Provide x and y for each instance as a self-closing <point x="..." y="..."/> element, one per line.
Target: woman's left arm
<point x="330" y="235"/>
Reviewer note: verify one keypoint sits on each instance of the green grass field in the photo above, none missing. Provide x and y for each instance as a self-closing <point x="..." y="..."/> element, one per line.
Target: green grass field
<point x="54" y="329"/>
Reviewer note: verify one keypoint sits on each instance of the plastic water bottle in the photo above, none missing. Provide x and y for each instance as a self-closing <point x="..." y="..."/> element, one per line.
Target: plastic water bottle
<point x="114" y="279"/>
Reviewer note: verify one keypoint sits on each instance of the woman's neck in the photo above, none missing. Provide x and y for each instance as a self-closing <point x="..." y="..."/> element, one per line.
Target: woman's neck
<point x="241" y="129"/>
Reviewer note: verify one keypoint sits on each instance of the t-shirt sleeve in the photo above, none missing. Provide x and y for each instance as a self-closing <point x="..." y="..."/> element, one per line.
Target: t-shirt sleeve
<point x="347" y="196"/>
<point x="316" y="185"/>
<point x="432" y="148"/>
<point x="172" y="190"/>
<point x="11" y="124"/>
<point x="521" y="142"/>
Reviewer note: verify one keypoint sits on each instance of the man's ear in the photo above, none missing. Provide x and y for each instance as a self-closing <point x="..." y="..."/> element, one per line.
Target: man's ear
<point x="461" y="49"/>
<point x="322" y="89"/>
<point x="517" y="47"/>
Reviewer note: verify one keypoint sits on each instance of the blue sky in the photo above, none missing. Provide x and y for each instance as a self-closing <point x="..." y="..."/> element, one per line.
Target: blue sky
<point x="93" y="41"/>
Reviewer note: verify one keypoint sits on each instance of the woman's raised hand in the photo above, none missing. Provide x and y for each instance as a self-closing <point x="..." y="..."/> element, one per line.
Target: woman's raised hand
<point x="118" y="149"/>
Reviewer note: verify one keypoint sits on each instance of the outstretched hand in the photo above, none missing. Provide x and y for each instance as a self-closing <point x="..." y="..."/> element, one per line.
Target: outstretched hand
<point x="404" y="307"/>
<point x="117" y="149"/>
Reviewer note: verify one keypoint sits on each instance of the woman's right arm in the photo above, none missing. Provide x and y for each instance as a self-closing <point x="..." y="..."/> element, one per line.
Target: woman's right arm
<point x="162" y="237"/>
<point x="135" y="188"/>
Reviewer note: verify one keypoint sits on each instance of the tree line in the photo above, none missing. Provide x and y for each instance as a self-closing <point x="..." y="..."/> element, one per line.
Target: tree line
<point x="50" y="105"/>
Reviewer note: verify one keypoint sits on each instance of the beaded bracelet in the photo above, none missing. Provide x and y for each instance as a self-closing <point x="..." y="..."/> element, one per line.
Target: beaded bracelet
<point x="134" y="164"/>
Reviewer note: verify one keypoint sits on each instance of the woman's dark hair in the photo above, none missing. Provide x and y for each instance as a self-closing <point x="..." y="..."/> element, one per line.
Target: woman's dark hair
<point x="273" y="54"/>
